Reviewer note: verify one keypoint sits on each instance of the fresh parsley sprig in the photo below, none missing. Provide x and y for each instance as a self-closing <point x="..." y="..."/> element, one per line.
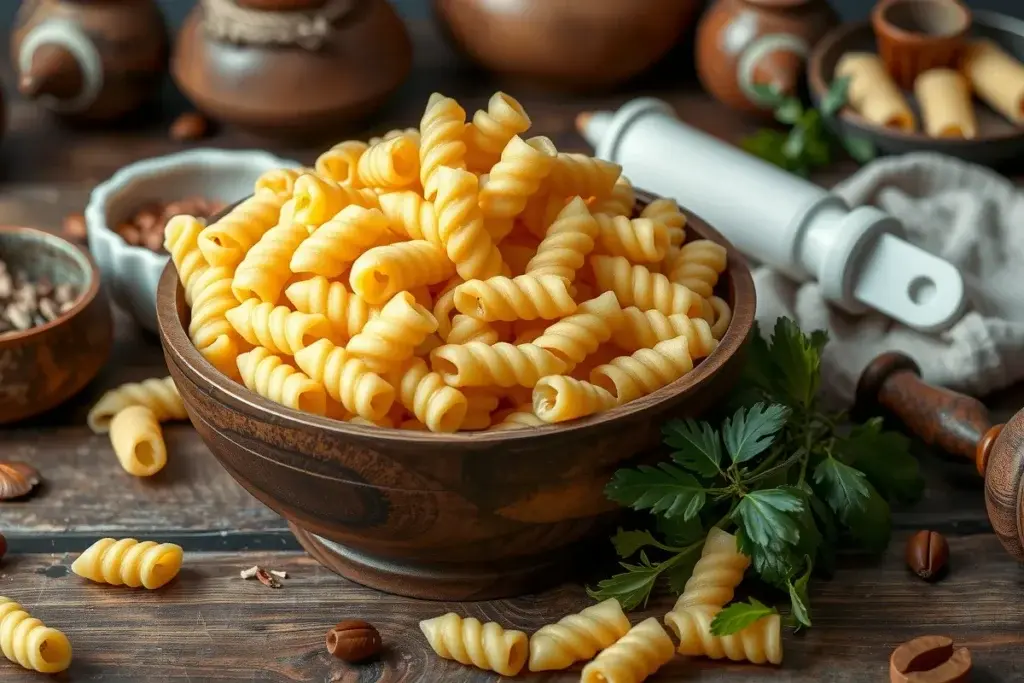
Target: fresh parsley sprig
<point x="792" y="480"/>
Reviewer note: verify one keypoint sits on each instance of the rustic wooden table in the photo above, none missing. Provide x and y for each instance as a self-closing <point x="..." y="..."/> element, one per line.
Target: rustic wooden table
<point x="210" y="625"/>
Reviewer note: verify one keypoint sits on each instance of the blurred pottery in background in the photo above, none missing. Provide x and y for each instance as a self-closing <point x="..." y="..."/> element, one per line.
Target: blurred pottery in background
<point x="291" y="68"/>
<point x="90" y="60"/>
<point x="592" y="44"/>
<point x="745" y="43"/>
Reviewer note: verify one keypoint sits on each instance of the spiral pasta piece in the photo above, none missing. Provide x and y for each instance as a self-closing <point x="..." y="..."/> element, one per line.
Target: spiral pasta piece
<point x="225" y="242"/>
<point x="317" y="199"/>
<point x="413" y="133"/>
<point x="277" y="328"/>
<point x="29" y="643"/>
<point x="722" y="316"/>
<point x="569" y="239"/>
<point x="347" y="313"/>
<point x="270" y="377"/>
<point x="138" y="441"/>
<point x="698" y="265"/>
<point x="521" y="417"/>
<point x="559" y="398"/>
<point x="523" y="167"/>
<point x="264" y="271"/>
<point x="620" y="202"/>
<point x="516" y="256"/>
<point x="441" y="144"/>
<point x="279" y="181"/>
<point x="637" y="286"/>
<point x="526" y="297"/>
<point x="575" y="337"/>
<point x="647" y="370"/>
<point x="384" y="271"/>
<point x="127" y="562"/>
<point x="505" y="365"/>
<point x="340" y="163"/>
<point x="637" y="655"/>
<point x="541" y="211"/>
<point x="438" y="406"/>
<point x="759" y="643"/>
<point x="181" y="240"/>
<point x="210" y="332"/>
<point x="332" y="247"/>
<point x="460" y="225"/>
<point x="577" y="637"/>
<point x="489" y="131"/>
<point x="667" y="212"/>
<point x="411" y="215"/>
<point x="347" y="379"/>
<point x="444" y="308"/>
<point x="159" y="395"/>
<point x="468" y="642"/>
<point x="644" y="329"/>
<point x="579" y="174"/>
<point x="390" y="338"/>
<point x="641" y="240"/>
<point x="717" y="573"/>
<point x="391" y="165"/>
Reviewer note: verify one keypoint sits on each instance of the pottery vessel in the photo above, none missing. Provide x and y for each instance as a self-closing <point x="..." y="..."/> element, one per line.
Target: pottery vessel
<point x="569" y="43"/>
<point x="914" y="36"/>
<point x="94" y="60"/>
<point x="745" y="43"/>
<point x="332" y="65"/>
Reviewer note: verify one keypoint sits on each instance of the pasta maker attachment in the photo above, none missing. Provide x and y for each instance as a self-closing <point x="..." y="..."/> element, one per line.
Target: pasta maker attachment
<point x="857" y="255"/>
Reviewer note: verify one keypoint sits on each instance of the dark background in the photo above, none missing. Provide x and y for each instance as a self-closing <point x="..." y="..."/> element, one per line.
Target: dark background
<point x="850" y="9"/>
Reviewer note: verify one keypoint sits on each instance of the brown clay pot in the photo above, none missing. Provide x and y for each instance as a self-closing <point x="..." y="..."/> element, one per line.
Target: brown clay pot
<point x="596" y="43"/>
<point x="94" y="60"/>
<point x="743" y="43"/>
<point x="915" y="36"/>
<point x="287" y="91"/>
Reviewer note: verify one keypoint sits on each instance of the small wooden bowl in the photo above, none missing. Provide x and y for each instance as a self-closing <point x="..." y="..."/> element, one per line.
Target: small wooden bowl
<point x="442" y="516"/>
<point x="44" y="366"/>
<point x="917" y="35"/>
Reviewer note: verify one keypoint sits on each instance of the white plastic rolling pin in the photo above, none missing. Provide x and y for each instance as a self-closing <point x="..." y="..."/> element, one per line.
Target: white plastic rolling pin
<point x="857" y="256"/>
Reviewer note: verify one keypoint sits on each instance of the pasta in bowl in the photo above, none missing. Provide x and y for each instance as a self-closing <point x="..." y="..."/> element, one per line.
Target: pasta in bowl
<point x="447" y="430"/>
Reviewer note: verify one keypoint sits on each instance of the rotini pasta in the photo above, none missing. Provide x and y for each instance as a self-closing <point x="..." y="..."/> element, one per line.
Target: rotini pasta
<point x="181" y="240"/>
<point x="465" y="329"/>
<point x="225" y="242"/>
<point x="460" y="225"/>
<point x="413" y="133"/>
<point x="667" y="212"/>
<point x="347" y="313"/>
<point x="630" y="377"/>
<point x="332" y="247"/>
<point x="279" y="181"/>
<point x="29" y="643"/>
<point x="489" y="131"/>
<point x="578" y="174"/>
<point x="127" y="562"/>
<point x="441" y="145"/>
<point x="384" y="271"/>
<point x="698" y="265"/>
<point x="569" y="239"/>
<point x="717" y="573"/>
<point x="526" y="297"/>
<point x="138" y="441"/>
<point x="758" y="643"/>
<point x="264" y="271"/>
<point x="317" y="199"/>
<point x="517" y="256"/>
<point x="541" y="211"/>
<point x="439" y="407"/>
<point x="208" y="329"/>
<point x="159" y="395"/>
<point x="347" y="380"/>
<point x="635" y="285"/>
<point x="641" y="240"/>
<point x="634" y="657"/>
<point x="411" y="215"/>
<point x="505" y="365"/>
<point x="620" y="202"/>
<point x="643" y="329"/>
<point x="521" y="417"/>
<point x="722" y="316"/>
<point x="574" y="337"/>
<point x="523" y="167"/>
<point x="277" y="328"/>
<point x="272" y="378"/>
<point x="559" y="398"/>
<point x="389" y="339"/>
<point x="391" y="165"/>
<point x="577" y="637"/>
<point x="468" y="642"/>
<point x="340" y="163"/>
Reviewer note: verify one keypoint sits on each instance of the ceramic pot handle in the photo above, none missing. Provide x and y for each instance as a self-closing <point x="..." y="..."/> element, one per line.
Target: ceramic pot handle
<point x="60" y="65"/>
<point x="776" y="60"/>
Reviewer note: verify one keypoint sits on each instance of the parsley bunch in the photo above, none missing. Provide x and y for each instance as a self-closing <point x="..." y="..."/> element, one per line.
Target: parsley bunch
<point x="794" y="482"/>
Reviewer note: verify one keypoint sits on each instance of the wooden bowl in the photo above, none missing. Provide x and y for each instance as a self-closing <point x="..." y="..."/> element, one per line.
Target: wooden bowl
<point x="473" y="515"/>
<point x="44" y="366"/>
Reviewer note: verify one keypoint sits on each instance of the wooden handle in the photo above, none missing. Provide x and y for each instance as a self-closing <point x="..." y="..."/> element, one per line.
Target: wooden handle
<point x="955" y="423"/>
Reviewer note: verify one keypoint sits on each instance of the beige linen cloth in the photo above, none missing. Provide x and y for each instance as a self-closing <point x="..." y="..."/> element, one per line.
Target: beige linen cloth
<point x="970" y="216"/>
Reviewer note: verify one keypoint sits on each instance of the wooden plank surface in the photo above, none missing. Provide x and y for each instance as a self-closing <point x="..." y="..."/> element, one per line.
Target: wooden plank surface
<point x="210" y="625"/>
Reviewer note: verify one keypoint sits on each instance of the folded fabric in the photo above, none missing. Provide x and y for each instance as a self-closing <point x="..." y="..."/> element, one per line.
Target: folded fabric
<point x="968" y="215"/>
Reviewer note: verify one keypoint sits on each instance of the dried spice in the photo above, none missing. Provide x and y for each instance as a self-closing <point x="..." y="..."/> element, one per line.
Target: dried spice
<point x="353" y="641"/>
<point x="25" y="303"/>
<point x="17" y="479"/>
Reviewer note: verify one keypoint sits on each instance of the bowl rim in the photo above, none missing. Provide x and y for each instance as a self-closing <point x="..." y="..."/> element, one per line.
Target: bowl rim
<point x="90" y="293"/>
<point x="174" y="338"/>
<point x="122" y="179"/>
<point x="881" y="21"/>
<point x="994" y="21"/>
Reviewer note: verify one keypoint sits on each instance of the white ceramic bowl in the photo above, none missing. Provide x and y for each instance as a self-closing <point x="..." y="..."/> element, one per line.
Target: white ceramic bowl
<point x="131" y="273"/>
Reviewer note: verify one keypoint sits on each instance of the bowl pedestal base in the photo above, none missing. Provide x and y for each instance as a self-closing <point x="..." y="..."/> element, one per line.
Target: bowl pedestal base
<point x="433" y="582"/>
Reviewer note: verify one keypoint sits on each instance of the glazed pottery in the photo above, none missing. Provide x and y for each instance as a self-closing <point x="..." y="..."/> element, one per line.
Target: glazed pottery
<point x="914" y="36"/>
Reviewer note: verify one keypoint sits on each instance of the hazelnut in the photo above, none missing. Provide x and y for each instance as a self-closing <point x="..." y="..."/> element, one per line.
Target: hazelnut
<point x="189" y="126"/>
<point x="353" y="641"/>
<point x="927" y="554"/>
<point x="74" y="227"/>
<point x="130" y="234"/>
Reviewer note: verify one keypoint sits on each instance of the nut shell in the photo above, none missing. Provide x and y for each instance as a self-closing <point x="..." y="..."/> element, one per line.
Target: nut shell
<point x="353" y="641"/>
<point x="927" y="554"/>
<point x="17" y="479"/>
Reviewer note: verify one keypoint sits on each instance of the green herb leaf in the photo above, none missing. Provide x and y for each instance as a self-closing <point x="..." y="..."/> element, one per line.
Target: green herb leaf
<point x="663" y="489"/>
<point x="679" y="532"/>
<point x="860" y="149"/>
<point x="698" y="446"/>
<point x="789" y="111"/>
<point x="835" y="98"/>
<point x="768" y="95"/>
<point x="772" y="565"/>
<point x="680" y="572"/>
<point x="796" y="143"/>
<point x="738" y="616"/>
<point x="798" y="599"/>
<point x="843" y="488"/>
<point x="627" y="543"/>
<point x="768" y="517"/>
<point x="885" y="458"/>
<point x="871" y="526"/>
<point x="797" y="358"/>
<point x="631" y="588"/>
<point x="767" y="144"/>
<point x="749" y="432"/>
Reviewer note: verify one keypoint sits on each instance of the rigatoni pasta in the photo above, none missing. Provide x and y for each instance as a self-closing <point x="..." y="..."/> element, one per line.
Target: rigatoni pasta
<point x="873" y="93"/>
<point x="997" y="77"/>
<point x="138" y="441"/>
<point x="944" y="96"/>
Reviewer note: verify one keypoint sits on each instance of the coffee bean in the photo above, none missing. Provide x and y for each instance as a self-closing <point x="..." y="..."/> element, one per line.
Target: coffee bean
<point x="189" y="126"/>
<point x="74" y="227"/>
<point x="25" y="303"/>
